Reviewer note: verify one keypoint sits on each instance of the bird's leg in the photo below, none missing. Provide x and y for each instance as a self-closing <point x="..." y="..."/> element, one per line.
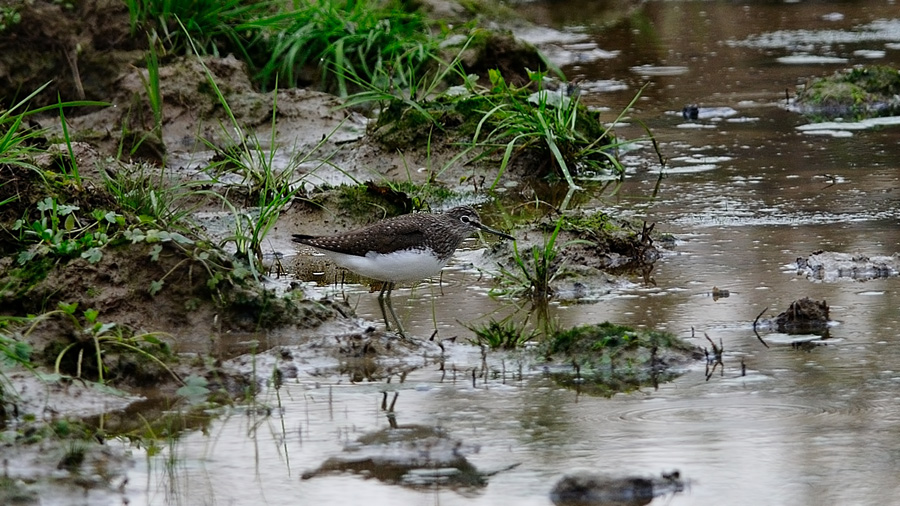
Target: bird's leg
<point x="384" y="298"/>
<point x="384" y="288"/>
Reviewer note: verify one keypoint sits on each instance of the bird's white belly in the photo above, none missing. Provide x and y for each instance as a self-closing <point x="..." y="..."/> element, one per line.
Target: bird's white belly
<point x="403" y="266"/>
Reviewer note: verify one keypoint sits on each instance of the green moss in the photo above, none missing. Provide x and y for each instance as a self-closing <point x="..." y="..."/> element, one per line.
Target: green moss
<point x="610" y="358"/>
<point x="18" y="281"/>
<point x="860" y="92"/>
<point x="880" y="79"/>
<point x="400" y="126"/>
<point x="596" y="223"/>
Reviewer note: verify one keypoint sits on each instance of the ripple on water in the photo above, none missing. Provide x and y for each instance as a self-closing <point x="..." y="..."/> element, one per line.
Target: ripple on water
<point x="730" y="410"/>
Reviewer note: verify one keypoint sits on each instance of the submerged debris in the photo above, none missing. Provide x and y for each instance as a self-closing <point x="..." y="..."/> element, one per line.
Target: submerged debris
<point x="831" y="266"/>
<point x="409" y="455"/>
<point x="590" y="489"/>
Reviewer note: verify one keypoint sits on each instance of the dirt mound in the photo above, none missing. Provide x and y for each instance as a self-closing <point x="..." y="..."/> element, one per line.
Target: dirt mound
<point x="802" y="316"/>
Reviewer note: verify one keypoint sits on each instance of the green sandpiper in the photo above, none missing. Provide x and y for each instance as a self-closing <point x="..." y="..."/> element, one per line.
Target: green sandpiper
<point x="405" y="248"/>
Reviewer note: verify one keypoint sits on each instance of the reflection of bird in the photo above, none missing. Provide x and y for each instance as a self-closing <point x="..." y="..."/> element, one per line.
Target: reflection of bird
<point x="405" y="248"/>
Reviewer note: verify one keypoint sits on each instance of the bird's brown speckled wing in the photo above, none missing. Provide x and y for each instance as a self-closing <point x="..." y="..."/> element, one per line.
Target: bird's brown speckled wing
<point x="395" y="234"/>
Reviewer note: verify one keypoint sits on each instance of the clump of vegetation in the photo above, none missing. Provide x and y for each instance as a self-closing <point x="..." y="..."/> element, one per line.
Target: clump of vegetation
<point x="589" y="241"/>
<point x="856" y="93"/>
<point x="609" y="358"/>
<point x="9" y="16"/>
<point x="213" y="27"/>
<point x="100" y="339"/>
<point x="295" y="44"/>
<point x="548" y="131"/>
<point x="14" y="352"/>
<point x="364" y="38"/>
<point x="532" y="275"/>
<point x="504" y="335"/>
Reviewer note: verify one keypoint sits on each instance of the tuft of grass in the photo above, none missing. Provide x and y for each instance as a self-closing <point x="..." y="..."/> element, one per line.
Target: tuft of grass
<point x="532" y="276"/>
<point x="102" y="337"/>
<point x="16" y="142"/>
<point x="14" y="351"/>
<point x="211" y="27"/>
<point x="272" y="188"/>
<point x="363" y="38"/>
<point x="551" y="123"/>
<point x="142" y="190"/>
<point x="505" y="335"/>
<point x="74" y="456"/>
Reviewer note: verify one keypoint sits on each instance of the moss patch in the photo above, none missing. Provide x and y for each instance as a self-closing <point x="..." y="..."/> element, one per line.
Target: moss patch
<point x="609" y="358"/>
<point x="857" y="93"/>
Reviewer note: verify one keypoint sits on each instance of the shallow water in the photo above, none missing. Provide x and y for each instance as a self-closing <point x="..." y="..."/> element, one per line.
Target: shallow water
<point x="745" y="195"/>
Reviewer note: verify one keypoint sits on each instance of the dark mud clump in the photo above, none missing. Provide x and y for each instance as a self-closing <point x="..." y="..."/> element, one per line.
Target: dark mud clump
<point x="81" y="45"/>
<point x="611" y="245"/>
<point x="803" y="316"/>
<point x="417" y="456"/>
<point x="591" y="489"/>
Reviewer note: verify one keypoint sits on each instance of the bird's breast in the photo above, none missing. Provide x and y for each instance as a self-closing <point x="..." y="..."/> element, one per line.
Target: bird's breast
<point x="399" y="266"/>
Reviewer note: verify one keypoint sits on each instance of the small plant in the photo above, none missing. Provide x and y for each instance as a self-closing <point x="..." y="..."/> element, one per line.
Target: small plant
<point x="533" y="276"/>
<point x="154" y="200"/>
<point x="218" y="266"/>
<point x="9" y="17"/>
<point x="59" y="231"/>
<point x="90" y="332"/>
<point x="137" y="136"/>
<point x="74" y="456"/>
<point x="13" y="352"/>
<point x="70" y="175"/>
<point x="504" y="335"/>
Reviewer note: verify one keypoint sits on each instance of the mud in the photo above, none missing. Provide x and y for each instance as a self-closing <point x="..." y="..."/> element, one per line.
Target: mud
<point x="590" y="489"/>
<point x="416" y="456"/>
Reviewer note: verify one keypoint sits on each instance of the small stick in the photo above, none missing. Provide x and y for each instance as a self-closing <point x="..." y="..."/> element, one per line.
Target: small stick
<point x="754" y="327"/>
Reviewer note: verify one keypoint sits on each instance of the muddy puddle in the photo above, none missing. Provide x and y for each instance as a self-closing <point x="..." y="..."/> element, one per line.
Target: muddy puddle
<point x="746" y="192"/>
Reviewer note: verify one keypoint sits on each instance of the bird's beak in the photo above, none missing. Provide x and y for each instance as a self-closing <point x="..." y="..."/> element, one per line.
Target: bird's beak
<point x="495" y="232"/>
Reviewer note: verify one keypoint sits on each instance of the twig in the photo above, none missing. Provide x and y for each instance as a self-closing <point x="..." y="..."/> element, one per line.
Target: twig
<point x="754" y="327"/>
